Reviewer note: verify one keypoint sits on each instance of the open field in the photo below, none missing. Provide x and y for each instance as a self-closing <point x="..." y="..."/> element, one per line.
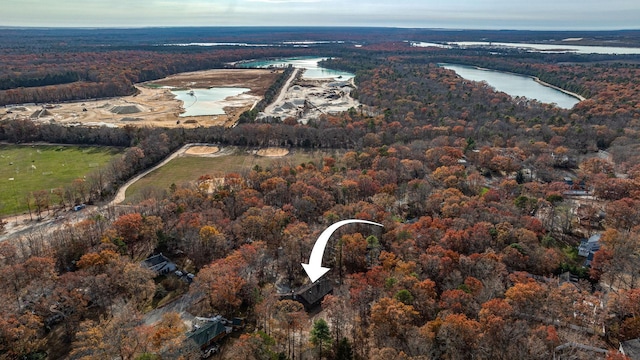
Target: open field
<point x="188" y="168"/>
<point x="44" y="167"/>
<point x="155" y="105"/>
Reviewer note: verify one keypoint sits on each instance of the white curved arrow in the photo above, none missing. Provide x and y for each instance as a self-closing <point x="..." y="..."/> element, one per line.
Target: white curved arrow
<point x="314" y="268"/>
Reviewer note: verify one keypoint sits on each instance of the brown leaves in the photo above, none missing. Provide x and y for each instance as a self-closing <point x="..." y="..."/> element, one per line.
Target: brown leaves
<point x="391" y="318"/>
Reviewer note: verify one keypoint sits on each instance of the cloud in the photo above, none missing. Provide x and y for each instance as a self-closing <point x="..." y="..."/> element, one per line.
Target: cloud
<point x="520" y="14"/>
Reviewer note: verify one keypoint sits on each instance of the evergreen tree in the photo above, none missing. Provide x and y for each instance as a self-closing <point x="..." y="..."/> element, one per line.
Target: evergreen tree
<point x="344" y="352"/>
<point x="320" y="335"/>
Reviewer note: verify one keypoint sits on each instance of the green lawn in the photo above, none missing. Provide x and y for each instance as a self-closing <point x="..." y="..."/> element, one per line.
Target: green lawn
<point x="190" y="168"/>
<point x="44" y="167"/>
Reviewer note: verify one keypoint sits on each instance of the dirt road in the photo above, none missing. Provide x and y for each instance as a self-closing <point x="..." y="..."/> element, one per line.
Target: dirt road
<point x="269" y="109"/>
<point x="121" y="193"/>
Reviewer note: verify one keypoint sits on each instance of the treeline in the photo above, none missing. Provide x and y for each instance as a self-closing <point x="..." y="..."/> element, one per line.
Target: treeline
<point x="83" y="75"/>
<point x="34" y="80"/>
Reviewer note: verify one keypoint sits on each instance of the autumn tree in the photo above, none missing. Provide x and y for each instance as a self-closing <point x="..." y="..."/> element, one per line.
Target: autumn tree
<point x="111" y="276"/>
<point x="291" y="318"/>
<point x="453" y="337"/>
<point x="110" y="337"/>
<point x="390" y="321"/>
<point x="22" y="335"/>
<point x="223" y="285"/>
<point x="615" y="262"/>
<point x="138" y="234"/>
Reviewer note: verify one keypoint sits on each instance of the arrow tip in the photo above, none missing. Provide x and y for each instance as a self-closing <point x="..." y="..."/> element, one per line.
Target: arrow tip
<point x="314" y="272"/>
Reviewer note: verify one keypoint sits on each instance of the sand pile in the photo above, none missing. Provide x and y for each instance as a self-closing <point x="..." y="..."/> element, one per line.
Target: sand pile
<point x="273" y="152"/>
<point x="126" y="109"/>
<point x="202" y="150"/>
<point x="40" y="113"/>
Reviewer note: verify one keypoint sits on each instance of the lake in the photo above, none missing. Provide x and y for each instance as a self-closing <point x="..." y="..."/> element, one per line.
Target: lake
<point x="206" y="101"/>
<point x="313" y="70"/>
<point x="551" y="48"/>
<point x="515" y="85"/>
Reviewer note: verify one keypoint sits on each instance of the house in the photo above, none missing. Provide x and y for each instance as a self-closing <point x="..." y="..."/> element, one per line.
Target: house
<point x="311" y="295"/>
<point x="589" y="246"/>
<point x="159" y="264"/>
<point x="573" y="350"/>
<point x="587" y="262"/>
<point x="631" y="349"/>
<point x="208" y="333"/>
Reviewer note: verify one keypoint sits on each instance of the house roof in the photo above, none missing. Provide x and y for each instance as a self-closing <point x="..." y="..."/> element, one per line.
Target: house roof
<point x="592" y="242"/>
<point x="314" y="292"/>
<point x="159" y="263"/>
<point x="156" y="259"/>
<point x="631" y="348"/>
<point x="208" y="332"/>
<point x="594" y="238"/>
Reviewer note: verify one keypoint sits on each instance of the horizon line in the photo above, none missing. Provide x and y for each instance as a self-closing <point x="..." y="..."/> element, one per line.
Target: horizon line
<point x="129" y="27"/>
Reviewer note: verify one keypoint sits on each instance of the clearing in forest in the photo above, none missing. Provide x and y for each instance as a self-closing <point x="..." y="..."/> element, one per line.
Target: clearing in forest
<point x="28" y="168"/>
<point x="189" y="168"/>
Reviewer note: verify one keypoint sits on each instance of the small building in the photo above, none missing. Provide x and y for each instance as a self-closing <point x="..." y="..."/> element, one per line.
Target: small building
<point x="208" y="333"/>
<point x="159" y="264"/>
<point x="631" y="349"/>
<point x="237" y="323"/>
<point x="589" y="246"/>
<point x="311" y="295"/>
<point x="576" y="193"/>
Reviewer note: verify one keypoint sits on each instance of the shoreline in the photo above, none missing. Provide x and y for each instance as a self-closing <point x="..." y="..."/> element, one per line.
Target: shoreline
<point x="579" y="97"/>
<point x="535" y="78"/>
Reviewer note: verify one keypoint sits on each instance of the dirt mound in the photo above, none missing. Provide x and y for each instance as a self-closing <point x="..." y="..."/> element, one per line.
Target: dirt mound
<point x="40" y="113"/>
<point x="126" y="109"/>
<point x="272" y="152"/>
<point x="202" y="150"/>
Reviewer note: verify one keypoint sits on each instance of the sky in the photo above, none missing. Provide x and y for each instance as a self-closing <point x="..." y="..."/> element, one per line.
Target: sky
<point x="457" y="14"/>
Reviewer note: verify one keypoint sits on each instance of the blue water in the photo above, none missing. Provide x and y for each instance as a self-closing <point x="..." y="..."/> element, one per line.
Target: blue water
<point x="515" y="85"/>
<point x="560" y="48"/>
<point x="313" y="71"/>
<point x="206" y="101"/>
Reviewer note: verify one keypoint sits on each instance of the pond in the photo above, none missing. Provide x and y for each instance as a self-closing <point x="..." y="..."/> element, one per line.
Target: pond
<point x="200" y="102"/>
<point x="313" y="70"/>
<point x="548" y="48"/>
<point x="515" y="85"/>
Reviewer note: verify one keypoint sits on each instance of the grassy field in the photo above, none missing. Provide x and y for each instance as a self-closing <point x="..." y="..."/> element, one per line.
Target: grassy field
<point x="26" y="168"/>
<point x="189" y="168"/>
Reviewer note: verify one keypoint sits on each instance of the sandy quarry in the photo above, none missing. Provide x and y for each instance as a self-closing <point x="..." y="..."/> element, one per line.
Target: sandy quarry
<point x="154" y="106"/>
<point x="305" y="99"/>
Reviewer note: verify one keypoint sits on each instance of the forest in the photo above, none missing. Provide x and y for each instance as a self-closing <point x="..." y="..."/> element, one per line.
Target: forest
<point x="478" y="257"/>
